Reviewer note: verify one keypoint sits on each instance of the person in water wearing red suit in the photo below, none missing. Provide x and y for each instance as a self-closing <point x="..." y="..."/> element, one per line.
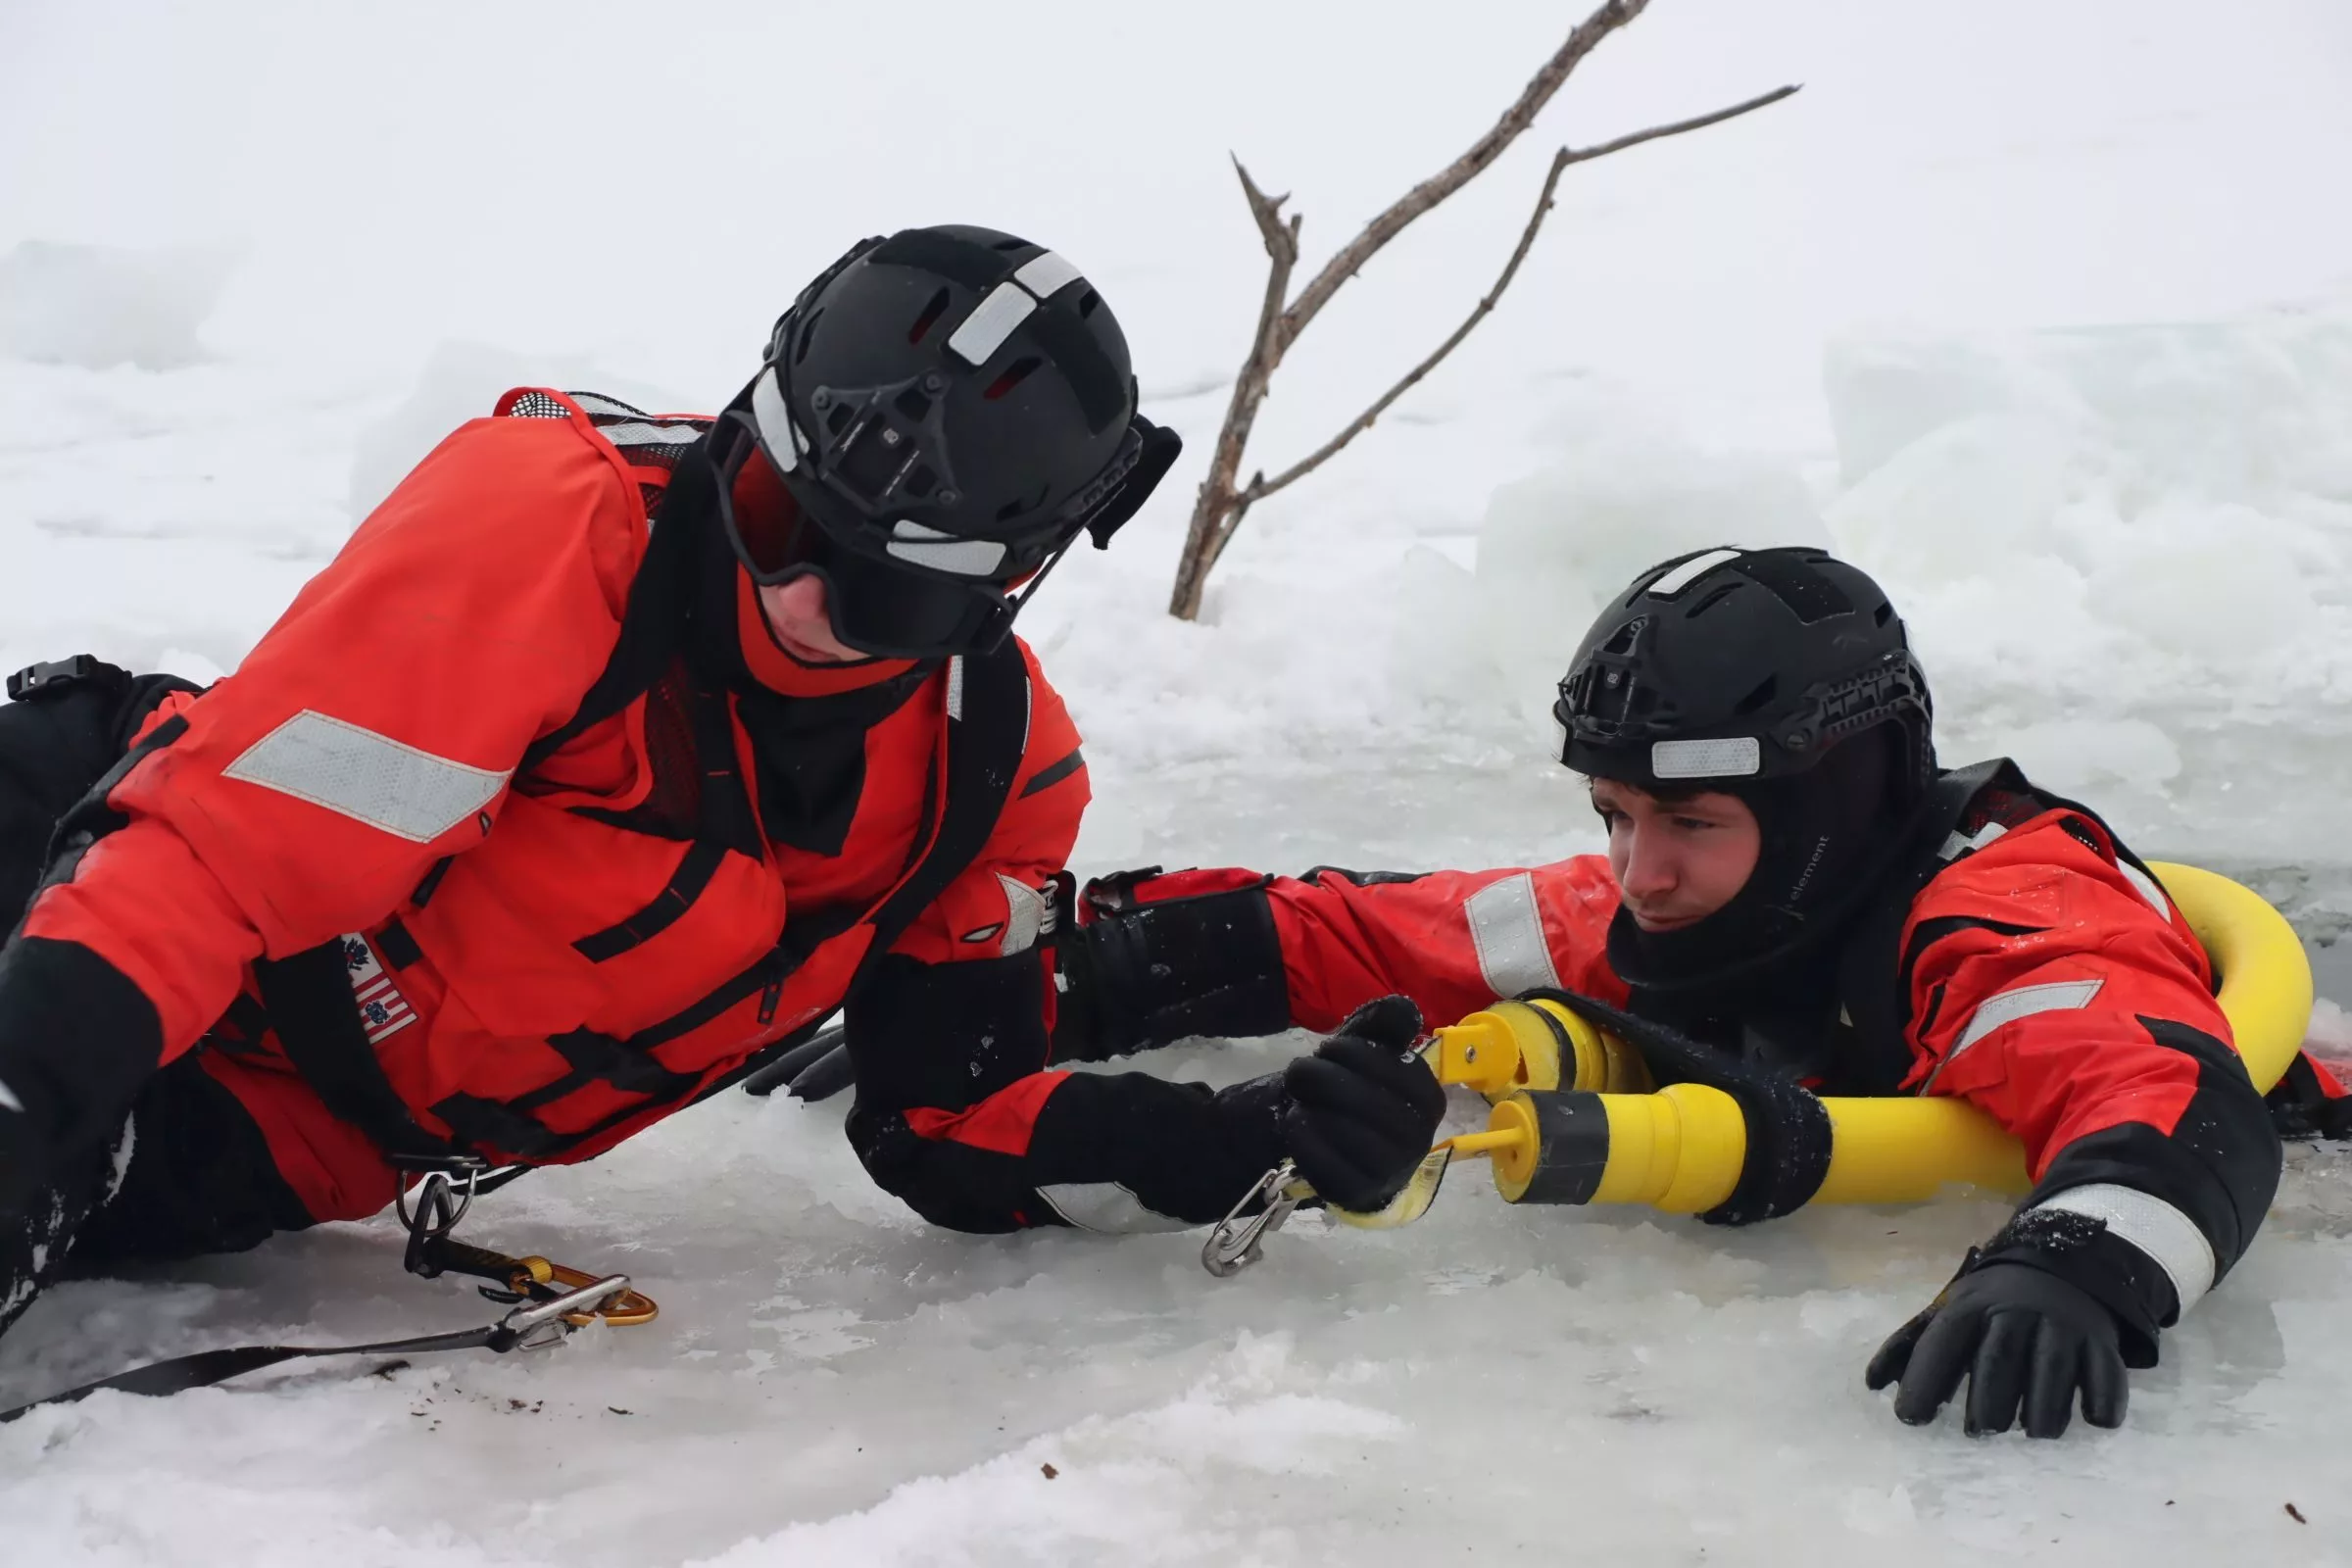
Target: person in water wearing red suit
<point x="1792" y="884"/>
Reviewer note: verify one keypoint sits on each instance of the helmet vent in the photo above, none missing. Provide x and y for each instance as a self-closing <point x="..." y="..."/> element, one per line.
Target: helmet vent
<point x="911" y="404"/>
<point x="1015" y="373"/>
<point x="838" y="419"/>
<point x="1088" y="303"/>
<point x="1621" y="641"/>
<point x="1008" y="243"/>
<point x="1765" y="691"/>
<point x="1714" y="596"/>
<point x="1883" y="615"/>
<point x="921" y="482"/>
<point x="932" y="311"/>
<point x="1795" y="581"/>
<point x="807" y="336"/>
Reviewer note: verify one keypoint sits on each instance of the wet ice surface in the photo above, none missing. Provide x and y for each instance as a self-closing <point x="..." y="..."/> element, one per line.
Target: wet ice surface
<point x="830" y="1380"/>
<point x="2124" y="548"/>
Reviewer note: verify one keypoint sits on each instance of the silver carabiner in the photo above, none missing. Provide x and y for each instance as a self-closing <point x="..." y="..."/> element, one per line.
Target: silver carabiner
<point x="1233" y="1245"/>
<point x="537" y="1325"/>
<point x="438" y="1212"/>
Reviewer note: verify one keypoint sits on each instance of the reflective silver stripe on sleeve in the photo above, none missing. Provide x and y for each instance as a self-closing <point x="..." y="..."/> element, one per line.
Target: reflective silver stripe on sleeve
<point x="367" y="777"/>
<point x="1507" y="929"/>
<point x="1689" y="572"/>
<point x="1025" y="915"/>
<point x="2007" y="1006"/>
<point x="956" y="687"/>
<point x="2152" y="1225"/>
<point x="991" y="323"/>
<point x="775" y="423"/>
<point x="1108" y="1208"/>
<point x="2145" y="886"/>
<point x="1046" y="275"/>
<point x="1729" y="757"/>
<point x="945" y="552"/>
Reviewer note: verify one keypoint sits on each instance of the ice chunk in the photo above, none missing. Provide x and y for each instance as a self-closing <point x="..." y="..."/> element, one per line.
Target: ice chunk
<point x="462" y="382"/>
<point x="99" y="306"/>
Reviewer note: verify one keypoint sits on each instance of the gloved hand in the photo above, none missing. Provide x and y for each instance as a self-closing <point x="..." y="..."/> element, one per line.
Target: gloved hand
<point x="2021" y="1335"/>
<point x="822" y="1060"/>
<point x="1364" y="1109"/>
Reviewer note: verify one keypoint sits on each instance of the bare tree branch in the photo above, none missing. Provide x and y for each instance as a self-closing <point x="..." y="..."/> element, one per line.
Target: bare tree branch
<point x="1221" y="504"/>
<point x="1587" y="35"/>
<point x="1261" y="488"/>
<point x="1213" y="510"/>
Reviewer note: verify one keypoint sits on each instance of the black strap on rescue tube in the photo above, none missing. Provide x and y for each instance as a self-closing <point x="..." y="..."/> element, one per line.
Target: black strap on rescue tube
<point x="1787" y="1128"/>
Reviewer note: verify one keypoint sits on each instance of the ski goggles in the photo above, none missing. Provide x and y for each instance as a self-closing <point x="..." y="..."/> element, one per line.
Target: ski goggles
<point x="900" y="589"/>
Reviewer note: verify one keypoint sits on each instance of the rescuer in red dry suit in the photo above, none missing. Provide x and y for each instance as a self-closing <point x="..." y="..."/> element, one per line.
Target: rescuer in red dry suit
<point x="1794" y="892"/>
<point x="610" y="754"/>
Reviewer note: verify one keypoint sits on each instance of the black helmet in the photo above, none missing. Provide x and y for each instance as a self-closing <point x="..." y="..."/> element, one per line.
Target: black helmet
<point x="1726" y="665"/>
<point x="949" y="408"/>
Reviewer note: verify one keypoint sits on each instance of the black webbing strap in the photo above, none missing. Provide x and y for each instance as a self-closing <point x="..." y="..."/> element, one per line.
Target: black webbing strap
<point x="1787" y="1127"/>
<point x="309" y="999"/>
<point x="652" y="625"/>
<point x="207" y="1367"/>
<point x="988" y="734"/>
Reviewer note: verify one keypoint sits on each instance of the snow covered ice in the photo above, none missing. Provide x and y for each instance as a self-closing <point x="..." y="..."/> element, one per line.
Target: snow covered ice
<point x="2043" y="314"/>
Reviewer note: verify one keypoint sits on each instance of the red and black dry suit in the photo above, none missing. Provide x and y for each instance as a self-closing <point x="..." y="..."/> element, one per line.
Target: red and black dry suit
<point x="543" y="927"/>
<point x="2022" y="960"/>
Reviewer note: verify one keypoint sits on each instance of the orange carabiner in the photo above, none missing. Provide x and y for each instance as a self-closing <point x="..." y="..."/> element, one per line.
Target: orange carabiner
<point x="625" y="1309"/>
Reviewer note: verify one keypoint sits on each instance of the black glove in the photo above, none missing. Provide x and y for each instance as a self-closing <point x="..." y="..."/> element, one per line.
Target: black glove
<point x="787" y="1070"/>
<point x="1364" y="1109"/>
<point x="2019" y="1335"/>
<point x="2050" y="1306"/>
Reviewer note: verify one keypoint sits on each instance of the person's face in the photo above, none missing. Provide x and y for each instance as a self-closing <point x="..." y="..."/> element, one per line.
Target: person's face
<point x="796" y="614"/>
<point x="1675" y="861"/>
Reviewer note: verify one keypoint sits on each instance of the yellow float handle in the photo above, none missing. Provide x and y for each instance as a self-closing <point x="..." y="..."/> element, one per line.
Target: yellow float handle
<point x="1681" y="1148"/>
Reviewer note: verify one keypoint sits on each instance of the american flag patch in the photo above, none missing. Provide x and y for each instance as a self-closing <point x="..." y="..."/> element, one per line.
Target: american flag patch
<point x="383" y="1011"/>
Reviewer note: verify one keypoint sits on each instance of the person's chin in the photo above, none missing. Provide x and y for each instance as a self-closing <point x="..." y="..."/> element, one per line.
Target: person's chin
<point x="1658" y="925"/>
<point x="809" y="653"/>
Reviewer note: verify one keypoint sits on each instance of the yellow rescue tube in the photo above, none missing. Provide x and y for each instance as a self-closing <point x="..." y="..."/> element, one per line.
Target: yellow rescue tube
<point x="1560" y="1134"/>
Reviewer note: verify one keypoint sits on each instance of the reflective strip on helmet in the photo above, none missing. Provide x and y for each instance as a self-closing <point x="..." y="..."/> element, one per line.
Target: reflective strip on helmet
<point x="776" y="432"/>
<point x="2171" y="1239"/>
<point x="1689" y="572"/>
<point x="2007" y="1006"/>
<point x="371" y="778"/>
<point x="944" y="551"/>
<point x="1108" y="1208"/>
<point x="1730" y="756"/>
<point x="991" y="323"/>
<point x="1506" y="927"/>
<point x="1046" y="275"/>
<point x="9" y="1100"/>
<point x="1025" y="915"/>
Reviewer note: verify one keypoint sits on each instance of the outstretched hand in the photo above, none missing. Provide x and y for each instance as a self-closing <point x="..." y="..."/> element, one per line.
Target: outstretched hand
<point x="2023" y="1338"/>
